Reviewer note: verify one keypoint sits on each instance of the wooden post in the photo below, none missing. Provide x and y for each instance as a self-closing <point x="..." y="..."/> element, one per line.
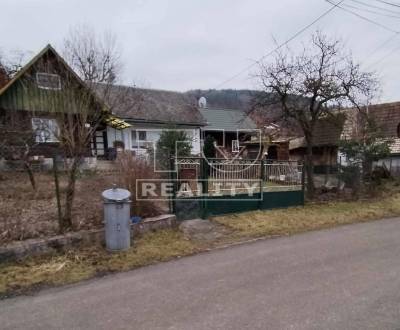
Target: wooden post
<point x="56" y="182"/>
<point x="204" y="187"/>
<point x="262" y="175"/>
<point x="173" y="177"/>
<point x="303" y="180"/>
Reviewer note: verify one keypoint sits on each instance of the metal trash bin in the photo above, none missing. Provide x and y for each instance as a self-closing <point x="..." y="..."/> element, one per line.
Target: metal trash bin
<point x="117" y="218"/>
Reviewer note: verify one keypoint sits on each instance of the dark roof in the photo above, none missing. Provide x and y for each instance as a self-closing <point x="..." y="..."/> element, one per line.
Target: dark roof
<point x="329" y="130"/>
<point x="386" y="117"/>
<point x="151" y="105"/>
<point x="227" y="98"/>
<point x="227" y="119"/>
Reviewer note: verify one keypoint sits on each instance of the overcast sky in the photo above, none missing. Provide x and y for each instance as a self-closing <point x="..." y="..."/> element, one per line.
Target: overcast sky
<point x="187" y="44"/>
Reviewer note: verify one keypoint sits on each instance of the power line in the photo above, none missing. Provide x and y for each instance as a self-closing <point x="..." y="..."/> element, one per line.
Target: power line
<point x="383" y="44"/>
<point x="383" y="57"/>
<point x="371" y="11"/>
<point x="375" y="7"/>
<point x="389" y="3"/>
<point x="364" y="18"/>
<point x="281" y="45"/>
<point x="396" y="34"/>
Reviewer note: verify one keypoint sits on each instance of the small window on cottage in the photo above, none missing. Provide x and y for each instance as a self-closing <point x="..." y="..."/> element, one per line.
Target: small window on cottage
<point x="142" y="135"/>
<point x="235" y="146"/>
<point x="45" y="130"/>
<point x="138" y="139"/>
<point x="48" y="81"/>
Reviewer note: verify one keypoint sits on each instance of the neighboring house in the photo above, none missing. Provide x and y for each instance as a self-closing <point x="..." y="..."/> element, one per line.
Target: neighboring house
<point x="286" y="143"/>
<point x="327" y="136"/>
<point x="230" y="128"/>
<point x="149" y="112"/>
<point x="35" y="96"/>
<point x="386" y="117"/>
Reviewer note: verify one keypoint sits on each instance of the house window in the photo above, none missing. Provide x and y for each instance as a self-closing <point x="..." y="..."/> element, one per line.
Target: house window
<point x="138" y="139"/>
<point x="45" y="130"/>
<point x="48" y="81"/>
<point x="142" y="135"/>
<point x="398" y="130"/>
<point x="235" y="146"/>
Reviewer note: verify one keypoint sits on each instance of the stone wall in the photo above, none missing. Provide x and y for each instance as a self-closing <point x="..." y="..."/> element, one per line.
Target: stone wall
<point x="41" y="246"/>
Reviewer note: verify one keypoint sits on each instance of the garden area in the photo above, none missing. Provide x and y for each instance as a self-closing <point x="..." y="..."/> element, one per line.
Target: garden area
<point x="27" y="213"/>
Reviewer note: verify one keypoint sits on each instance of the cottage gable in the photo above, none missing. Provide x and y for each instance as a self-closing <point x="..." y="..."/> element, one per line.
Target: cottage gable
<point x="45" y="85"/>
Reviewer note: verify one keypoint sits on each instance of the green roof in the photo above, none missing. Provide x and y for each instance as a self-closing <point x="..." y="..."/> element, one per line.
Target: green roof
<point x="227" y="119"/>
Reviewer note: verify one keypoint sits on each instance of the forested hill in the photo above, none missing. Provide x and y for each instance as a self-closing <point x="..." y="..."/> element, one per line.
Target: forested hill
<point x="227" y="98"/>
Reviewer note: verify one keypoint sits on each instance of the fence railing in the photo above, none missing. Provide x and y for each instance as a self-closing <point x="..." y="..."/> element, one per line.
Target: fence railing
<point x="287" y="173"/>
<point x="221" y="174"/>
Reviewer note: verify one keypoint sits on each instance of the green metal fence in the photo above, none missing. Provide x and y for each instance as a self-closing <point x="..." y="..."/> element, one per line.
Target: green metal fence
<point x="207" y="186"/>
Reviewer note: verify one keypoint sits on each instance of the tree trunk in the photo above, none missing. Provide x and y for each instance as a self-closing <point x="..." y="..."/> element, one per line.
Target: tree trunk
<point x="69" y="195"/>
<point x="30" y="174"/>
<point x="366" y="169"/>
<point x="309" y="167"/>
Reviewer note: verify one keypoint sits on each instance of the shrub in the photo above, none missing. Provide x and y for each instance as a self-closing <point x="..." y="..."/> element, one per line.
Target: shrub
<point x="171" y="143"/>
<point x="130" y="169"/>
<point x="209" y="147"/>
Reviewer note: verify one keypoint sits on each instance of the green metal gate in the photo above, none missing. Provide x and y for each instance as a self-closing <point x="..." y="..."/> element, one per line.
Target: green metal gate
<point x="281" y="185"/>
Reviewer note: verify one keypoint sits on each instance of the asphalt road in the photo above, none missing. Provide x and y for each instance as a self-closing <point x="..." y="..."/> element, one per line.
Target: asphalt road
<point x="344" y="278"/>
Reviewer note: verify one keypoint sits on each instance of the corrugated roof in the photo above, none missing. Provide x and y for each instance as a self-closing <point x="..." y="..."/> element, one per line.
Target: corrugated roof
<point x="227" y="119"/>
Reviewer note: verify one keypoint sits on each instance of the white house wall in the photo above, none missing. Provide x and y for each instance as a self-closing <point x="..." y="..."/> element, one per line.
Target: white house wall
<point x="152" y="135"/>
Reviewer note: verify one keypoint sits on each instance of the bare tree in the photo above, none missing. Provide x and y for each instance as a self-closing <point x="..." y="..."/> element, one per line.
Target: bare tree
<point x="314" y="83"/>
<point x="96" y="61"/>
<point x="95" y="58"/>
<point x="16" y="142"/>
<point x="12" y="61"/>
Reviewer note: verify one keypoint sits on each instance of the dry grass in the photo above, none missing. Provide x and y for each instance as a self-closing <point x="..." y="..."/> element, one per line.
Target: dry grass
<point x="310" y="217"/>
<point x="86" y="263"/>
<point x="25" y="213"/>
<point x="77" y="265"/>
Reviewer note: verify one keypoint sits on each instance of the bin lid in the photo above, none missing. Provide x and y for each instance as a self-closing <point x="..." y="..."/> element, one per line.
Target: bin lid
<point x="116" y="194"/>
